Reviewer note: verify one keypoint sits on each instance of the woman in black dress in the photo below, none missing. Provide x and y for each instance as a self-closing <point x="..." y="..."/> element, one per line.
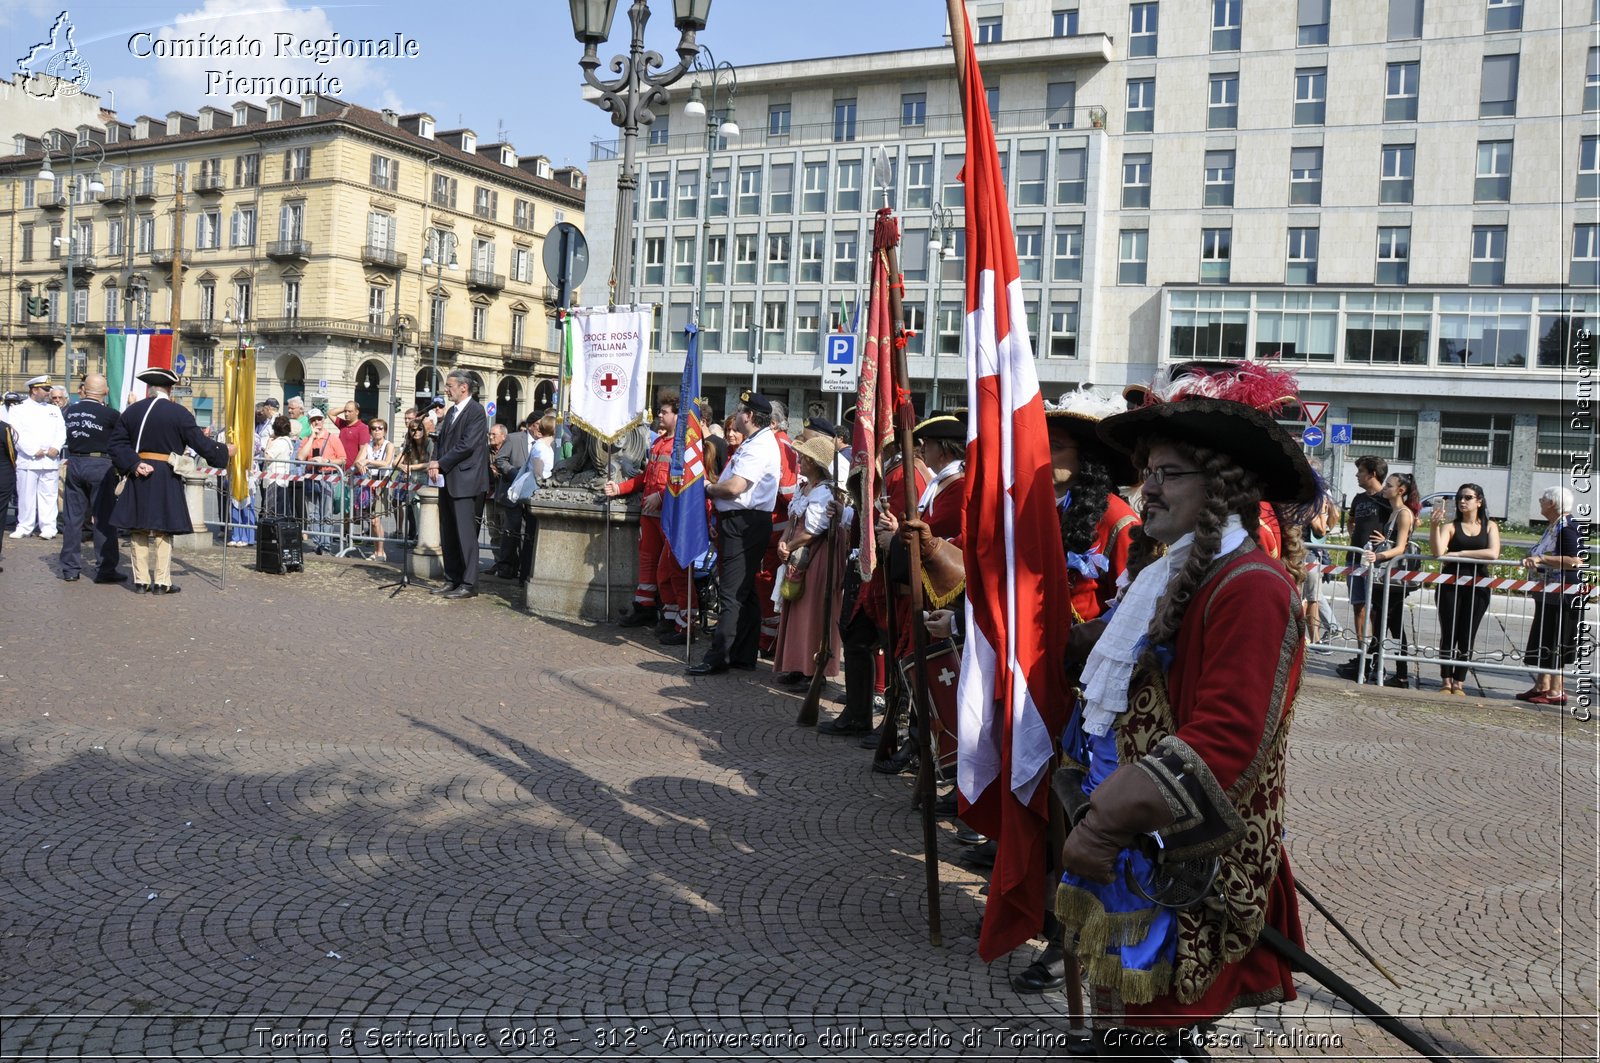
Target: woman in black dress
<point x="1472" y="535"/>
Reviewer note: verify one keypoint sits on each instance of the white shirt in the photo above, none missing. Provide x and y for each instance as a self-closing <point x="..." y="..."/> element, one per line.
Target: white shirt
<point x="544" y="458"/>
<point x="811" y="505"/>
<point x="39" y="426"/>
<point x="757" y="460"/>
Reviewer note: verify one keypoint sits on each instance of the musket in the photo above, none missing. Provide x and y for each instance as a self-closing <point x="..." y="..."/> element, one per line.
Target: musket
<point x="819" y="664"/>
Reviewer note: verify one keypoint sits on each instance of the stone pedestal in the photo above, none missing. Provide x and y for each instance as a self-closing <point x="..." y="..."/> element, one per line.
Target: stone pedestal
<point x="427" y="558"/>
<point x="194" y="496"/>
<point x="574" y="557"/>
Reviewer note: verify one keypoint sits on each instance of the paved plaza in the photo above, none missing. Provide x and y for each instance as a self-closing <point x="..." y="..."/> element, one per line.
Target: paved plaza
<point x="305" y="817"/>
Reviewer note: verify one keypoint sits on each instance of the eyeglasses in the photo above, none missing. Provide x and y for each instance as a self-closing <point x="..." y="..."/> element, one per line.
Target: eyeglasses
<point x="1161" y="475"/>
<point x="1466" y="498"/>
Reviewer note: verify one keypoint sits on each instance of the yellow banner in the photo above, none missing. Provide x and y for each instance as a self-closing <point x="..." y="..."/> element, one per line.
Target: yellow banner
<point x="239" y="417"/>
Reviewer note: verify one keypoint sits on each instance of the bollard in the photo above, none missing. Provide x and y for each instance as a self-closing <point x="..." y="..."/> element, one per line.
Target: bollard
<point x="427" y="559"/>
<point x="199" y="537"/>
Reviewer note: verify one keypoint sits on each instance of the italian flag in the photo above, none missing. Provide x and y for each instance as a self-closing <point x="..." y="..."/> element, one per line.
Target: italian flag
<point x="128" y="353"/>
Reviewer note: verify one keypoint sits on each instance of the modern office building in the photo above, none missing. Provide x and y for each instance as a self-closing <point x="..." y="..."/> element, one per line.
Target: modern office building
<point x="1397" y="197"/>
<point x="346" y="243"/>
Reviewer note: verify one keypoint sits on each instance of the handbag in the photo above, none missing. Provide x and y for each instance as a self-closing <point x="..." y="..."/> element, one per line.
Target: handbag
<point x="526" y="483"/>
<point x="1408" y="560"/>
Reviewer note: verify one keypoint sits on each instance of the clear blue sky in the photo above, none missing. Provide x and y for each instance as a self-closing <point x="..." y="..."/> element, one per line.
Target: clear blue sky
<point x="482" y="63"/>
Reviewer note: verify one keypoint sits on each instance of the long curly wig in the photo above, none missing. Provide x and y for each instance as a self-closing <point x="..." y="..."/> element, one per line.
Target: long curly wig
<point x="1091" y="487"/>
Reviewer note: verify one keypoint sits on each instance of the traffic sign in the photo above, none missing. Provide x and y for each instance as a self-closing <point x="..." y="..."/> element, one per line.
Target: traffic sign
<point x="488" y="408"/>
<point x="179" y="364"/>
<point x="1314" y="411"/>
<point x="839" y="363"/>
<point x="1343" y="434"/>
<point x="1312" y="436"/>
<point x="322" y="387"/>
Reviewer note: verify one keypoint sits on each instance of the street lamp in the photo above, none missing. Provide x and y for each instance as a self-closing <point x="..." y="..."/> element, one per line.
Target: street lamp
<point x="940" y="250"/>
<point x="96" y="154"/>
<point x="402" y="322"/>
<point x="719" y="77"/>
<point x="438" y="265"/>
<point x="630" y="99"/>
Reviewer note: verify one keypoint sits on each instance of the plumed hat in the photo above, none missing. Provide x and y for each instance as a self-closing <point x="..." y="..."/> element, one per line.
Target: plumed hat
<point x="1078" y="412"/>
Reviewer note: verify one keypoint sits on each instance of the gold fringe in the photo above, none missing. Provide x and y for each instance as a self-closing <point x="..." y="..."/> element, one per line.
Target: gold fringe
<point x="933" y="599"/>
<point x="638" y="419"/>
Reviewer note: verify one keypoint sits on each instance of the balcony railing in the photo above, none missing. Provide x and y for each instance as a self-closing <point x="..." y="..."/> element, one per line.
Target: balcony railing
<point x="289" y="249"/>
<point x="50" y="201"/>
<point x="526" y="357"/>
<point x="208" y="182"/>
<point x="334" y="326"/>
<point x="485" y="279"/>
<point x="39" y="327"/>
<point x="378" y="255"/>
<point x="161" y="258"/>
<point x="145" y="190"/>
<point x="202" y="326"/>
<point x="81" y="262"/>
<point x="114" y="194"/>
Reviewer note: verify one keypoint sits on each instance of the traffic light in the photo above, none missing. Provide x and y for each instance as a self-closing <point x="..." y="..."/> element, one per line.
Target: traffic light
<point x="38" y="306"/>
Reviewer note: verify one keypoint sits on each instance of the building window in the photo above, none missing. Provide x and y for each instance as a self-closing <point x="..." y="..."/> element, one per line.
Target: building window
<point x="1401" y="81"/>
<point x="1567" y="325"/>
<point x="1493" y="183"/>
<point x="296" y="165"/>
<point x="811" y="254"/>
<point x="1561" y="448"/>
<point x="745" y="251"/>
<point x="950" y="323"/>
<point x="291" y="299"/>
<point x="1226" y="18"/>
<point x="913" y="109"/>
<point x="655" y="259"/>
<point x="1219" y="179"/>
<point x="480" y="323"/>
<point x="1133" y="252"/>
<point x="1302" y="264"/>
<point x="1498" y="96"/>
<point x="1072" y="185"/>
<point x="1503" y="15"/>
<point x="1585" y="268"/>
<point x="807" y="327"/>
<point x="991" y="96"/>
<point x="1030" y="252"/>
<point x="243" y="227"/>
<point x="1591" y="81"/>
<point x="1030" y="179"/>
<point x="1060" y="99"/>
<point x="1398" y="170"/>
<point x="1394" y="254"/>
<point x="522" y="214"/>
<point x="919" y="184"/>
<point x="953" y="264"/>
<point x="657" y="189"/>
<point x="1064" y="23"/>
<point x="814" y="194"/>
<point x="1388" y="434"/>
<point x="146" y="234"/>
<point x="116" y="230"/>
<point x="846" y="251"/>
<point x="717" y="193"/>
<point x="778" y="117"/>
<point x="1589" y="167"/>
<point x="1223" y="110"/>
<point x="711" y="328"/>
<point x="778" y="248"/>
<point x="1063" y="330"/>
<point x="377" y="300"/>
<point x="716" y="259"/>
<point x="1387" y="328"/>
<point x="1484" y="329"/>
<point x="689" y="193"/>
<point x="208" y="230"/>
<point x="1405" y="20"/>
<point x="385" y="173"/>
<point x="1488" y="255"/>
<point x="847" y="197"/>
<point x="1067" y="264"/>
<point x="780" y="197"/>
<point x="954" y="193"/>
<point x="1310" y="96"/>
<point x="1142" y="22"/>
<point x="1216" y="250"/>
<point x="990" y="30"/>
<point x="1476" y="440"/>
<point x="241" y="300"/>
<point x="1313" y="22"/>
<point x="208" y="301"/>
<point x="113" y="304"/>
<point x="522" y="265"/>
<point x="749" y="190"/>
<point x="775" y="326"/>
<point x="1141" y="115"/>
<point x="683" y="260"/>
<point x="246" y="170"/>
<point x="444" y="191"/>
<point x="844" y="120"/>
<point x="1297" y="326"/>
<point x="1209" y="324"/>
<point x="1136" y="180"/>
<point x="519" y="331"/>
<point x="1305" y="177"/>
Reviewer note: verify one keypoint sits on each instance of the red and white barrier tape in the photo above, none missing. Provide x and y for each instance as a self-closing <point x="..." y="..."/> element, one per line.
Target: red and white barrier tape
<point x="1439" y="579"/>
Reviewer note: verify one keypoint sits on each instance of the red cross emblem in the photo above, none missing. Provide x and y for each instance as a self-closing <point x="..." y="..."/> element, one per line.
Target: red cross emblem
<point x="609" y="382"/>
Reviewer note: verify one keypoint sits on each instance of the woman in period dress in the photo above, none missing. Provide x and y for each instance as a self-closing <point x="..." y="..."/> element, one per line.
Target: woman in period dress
<point x="811" y="558"/>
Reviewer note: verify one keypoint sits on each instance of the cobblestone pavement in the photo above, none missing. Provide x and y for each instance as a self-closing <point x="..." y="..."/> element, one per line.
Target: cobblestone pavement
<point x="263" y="820"/>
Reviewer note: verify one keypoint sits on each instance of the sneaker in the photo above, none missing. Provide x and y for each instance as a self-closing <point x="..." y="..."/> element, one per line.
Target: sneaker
<point x="48" y="535"/>
<point x="1349" y="669"/>
<point x="20" y="534"/>
<point x="1399" y="682"/>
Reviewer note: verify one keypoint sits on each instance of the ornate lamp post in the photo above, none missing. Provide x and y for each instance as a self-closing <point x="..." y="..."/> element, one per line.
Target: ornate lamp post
<point x="631" y="99"/>
<point x="96" y="154"/>
<point x="719" y="77"/>
<point x="438" y="266"/>
<point x="402" y="324"/>
<point x="939" y="251"/>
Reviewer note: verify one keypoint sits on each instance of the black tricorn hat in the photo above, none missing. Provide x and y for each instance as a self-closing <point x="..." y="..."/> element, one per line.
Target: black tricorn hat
<point x="1248" y="435"/>
<point x="941" y="426"/>
<point x="161" y="378"/>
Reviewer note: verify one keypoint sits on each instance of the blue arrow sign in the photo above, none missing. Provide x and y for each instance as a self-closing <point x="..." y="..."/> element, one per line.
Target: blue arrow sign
<point x="179" y="364"/>
<point x="841" y="348"/>
<point x="1343" y="434"/>
<point x="1312" y="436"/>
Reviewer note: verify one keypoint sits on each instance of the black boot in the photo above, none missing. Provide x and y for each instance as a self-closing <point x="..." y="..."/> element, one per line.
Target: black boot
<point x="640" y="616"/>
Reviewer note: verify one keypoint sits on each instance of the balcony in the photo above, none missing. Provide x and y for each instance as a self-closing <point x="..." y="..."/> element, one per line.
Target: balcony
<point x="385" y="257"/>
<point x="41" y="328"/>
<point x="50" y="201"/>
<point x="114" y="194"/>
<point x="202" y="327"/>
<point x="164" y="258"/>
<point x="333" y="326"/>
<point x="78" y="262"/>
<point x="144" y="191"/>
<point x="526" y="358"/>
<point x="208" y="183"/>
<point x="300" y="249"/>
<point x="485" y="280"/>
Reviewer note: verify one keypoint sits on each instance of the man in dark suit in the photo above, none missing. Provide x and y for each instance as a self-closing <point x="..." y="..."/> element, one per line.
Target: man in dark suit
<point x="461" y="456"/>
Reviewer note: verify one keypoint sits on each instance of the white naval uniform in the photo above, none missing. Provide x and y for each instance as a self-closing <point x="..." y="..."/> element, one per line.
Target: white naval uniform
<point x="39" y="427"/>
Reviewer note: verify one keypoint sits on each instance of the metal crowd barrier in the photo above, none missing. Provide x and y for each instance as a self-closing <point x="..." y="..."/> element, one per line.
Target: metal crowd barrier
<point x="1515" y="607"/>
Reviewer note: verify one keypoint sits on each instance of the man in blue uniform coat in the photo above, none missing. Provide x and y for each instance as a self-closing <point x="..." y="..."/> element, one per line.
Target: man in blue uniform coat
<point x="152" y="506"/>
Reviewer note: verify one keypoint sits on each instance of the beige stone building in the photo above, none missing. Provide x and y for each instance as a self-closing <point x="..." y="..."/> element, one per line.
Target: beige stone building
<point x="303" y="226"/>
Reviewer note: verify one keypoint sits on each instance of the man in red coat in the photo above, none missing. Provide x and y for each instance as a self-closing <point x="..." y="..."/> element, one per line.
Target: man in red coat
<point x="660" y="576"/>
<point x="1175" y="755"/>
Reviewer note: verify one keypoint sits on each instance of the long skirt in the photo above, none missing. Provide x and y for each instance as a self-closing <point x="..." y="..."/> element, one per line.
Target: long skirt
<point x="800" y="623"/>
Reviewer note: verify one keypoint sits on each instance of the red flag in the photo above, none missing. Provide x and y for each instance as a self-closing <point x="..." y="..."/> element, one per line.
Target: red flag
<point x="875" y="388"/>
<point x="1013" y="696"/>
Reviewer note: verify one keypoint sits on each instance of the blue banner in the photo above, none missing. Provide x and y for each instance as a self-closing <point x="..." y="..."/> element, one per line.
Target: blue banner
<point x="683" y="507"/>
